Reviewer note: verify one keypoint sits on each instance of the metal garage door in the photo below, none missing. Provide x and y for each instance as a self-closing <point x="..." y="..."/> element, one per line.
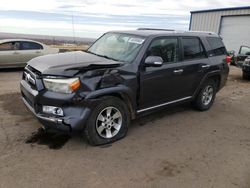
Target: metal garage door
<point x="235" y="31"/>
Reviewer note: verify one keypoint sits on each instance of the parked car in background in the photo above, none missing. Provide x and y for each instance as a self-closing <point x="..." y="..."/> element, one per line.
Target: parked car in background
<point x="17" y="52"/>
<point x="246" y="68"/>
<point x="239" y="59"/>
<point x="121" y="76"/>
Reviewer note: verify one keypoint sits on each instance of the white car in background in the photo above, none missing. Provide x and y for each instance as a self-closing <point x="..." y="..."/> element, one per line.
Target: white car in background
<point x="17" y="52"/>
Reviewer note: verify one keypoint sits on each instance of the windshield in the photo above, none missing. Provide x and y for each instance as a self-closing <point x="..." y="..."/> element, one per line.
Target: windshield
<point x="119" y="47"/>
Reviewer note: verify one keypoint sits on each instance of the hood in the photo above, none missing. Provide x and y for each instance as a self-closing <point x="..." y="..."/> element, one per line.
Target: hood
<point x="70" y="63"/>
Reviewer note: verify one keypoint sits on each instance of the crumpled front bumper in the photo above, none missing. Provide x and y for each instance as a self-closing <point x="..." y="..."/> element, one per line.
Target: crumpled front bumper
<point x="75" y="116"/>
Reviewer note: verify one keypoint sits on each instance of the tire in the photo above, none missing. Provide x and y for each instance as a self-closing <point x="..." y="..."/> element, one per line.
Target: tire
<point x="206" y="96"/>
<point x="245" y="76"/>
<point x="103" y="129"/>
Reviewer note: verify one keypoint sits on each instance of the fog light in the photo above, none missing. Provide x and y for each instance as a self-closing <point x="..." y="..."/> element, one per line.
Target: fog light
<point x="53" y="110"/>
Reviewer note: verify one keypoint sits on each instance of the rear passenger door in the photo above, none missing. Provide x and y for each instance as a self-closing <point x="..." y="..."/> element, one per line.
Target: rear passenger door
<point x="30" y="50"/>
<point x="195" y="64"/>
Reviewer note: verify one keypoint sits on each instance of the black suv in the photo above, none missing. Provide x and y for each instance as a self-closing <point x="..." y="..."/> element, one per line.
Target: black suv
<point x="122" y="75"/>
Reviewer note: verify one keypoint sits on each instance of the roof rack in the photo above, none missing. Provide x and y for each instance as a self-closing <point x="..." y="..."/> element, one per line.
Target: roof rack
<point x="155" y="29"/>
<point x="205" y="32"/>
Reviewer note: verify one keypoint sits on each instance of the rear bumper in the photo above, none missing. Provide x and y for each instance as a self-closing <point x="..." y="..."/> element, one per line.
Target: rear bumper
<point x="75" y="116"/>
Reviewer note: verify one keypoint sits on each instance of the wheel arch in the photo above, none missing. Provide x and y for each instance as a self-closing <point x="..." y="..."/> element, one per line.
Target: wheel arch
<point x="122" y="92"/>
<point x="216" y="76"/>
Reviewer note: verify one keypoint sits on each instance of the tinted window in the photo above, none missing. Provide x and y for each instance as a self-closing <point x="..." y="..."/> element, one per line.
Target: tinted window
<point x="31" y="46"/>
<point x="192" y="48"/>
<point x="10" y="46"/>
<point x="166" y="48"/>
<point x="244" y="50"/>
<point x="217" y="46"/>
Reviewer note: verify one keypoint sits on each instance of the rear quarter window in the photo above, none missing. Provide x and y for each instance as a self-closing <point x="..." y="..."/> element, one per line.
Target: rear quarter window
<point x="217" y="46"/>
<point x="31" y="46"/>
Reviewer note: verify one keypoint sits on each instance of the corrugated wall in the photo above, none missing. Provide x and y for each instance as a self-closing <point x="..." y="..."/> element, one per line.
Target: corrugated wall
<point x="210" y="21"/>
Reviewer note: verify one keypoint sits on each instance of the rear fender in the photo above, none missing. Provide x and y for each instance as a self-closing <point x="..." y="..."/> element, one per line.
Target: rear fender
<point x="205" y="78"/>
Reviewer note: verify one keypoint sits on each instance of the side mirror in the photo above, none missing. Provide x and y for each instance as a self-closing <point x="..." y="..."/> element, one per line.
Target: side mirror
<point x="248" y="53"/>
<point x="153" y="61"/>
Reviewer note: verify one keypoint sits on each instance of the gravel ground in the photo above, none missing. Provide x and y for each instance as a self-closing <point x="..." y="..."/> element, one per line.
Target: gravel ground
<point x="178" y="147"/>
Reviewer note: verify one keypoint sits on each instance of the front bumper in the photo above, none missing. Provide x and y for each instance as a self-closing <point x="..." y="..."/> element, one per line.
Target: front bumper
<point x="76" y="113"/>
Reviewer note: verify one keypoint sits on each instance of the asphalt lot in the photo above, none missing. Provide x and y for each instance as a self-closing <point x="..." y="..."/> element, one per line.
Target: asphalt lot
<point x="177" y="147"/>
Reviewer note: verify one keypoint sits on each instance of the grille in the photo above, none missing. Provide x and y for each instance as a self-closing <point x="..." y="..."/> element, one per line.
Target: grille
<point x="30" y="75"/>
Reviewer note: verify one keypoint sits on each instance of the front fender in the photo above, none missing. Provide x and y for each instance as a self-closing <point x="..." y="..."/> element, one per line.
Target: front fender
<point x="124" y="92"/>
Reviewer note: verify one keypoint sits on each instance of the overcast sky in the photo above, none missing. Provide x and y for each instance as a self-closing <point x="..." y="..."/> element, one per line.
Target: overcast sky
<point x="93" y="17"/>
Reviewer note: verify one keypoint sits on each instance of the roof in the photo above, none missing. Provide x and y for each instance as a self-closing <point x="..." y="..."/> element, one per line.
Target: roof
<point x="221" y="9"/>
<point x="14" y="40"/>
<point x="155" y="32"/>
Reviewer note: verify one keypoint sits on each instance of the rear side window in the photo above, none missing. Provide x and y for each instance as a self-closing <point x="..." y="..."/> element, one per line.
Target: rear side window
<point x="217" y="46"/>
<point x="31" y="46"/>
<point x="192" y="48"/>
<point x="166" y="48"/>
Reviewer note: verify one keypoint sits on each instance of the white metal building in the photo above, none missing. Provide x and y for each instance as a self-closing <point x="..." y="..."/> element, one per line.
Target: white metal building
<point x="233" y="24"/>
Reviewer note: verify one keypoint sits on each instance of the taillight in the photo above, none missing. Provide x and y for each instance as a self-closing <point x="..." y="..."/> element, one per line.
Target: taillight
<point x="228" y="59"/>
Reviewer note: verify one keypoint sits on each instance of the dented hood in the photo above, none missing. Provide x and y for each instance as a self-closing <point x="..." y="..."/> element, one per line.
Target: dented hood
<point x="70" y="63"/>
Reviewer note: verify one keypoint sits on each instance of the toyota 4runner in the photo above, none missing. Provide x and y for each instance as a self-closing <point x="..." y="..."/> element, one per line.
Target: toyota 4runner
<point x="122" y="75"/>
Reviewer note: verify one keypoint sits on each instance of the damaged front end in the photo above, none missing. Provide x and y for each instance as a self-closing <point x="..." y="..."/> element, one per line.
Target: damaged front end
<point x="70" y="110"/>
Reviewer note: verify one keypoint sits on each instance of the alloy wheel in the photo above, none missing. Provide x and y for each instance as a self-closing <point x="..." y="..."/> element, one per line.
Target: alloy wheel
<point x="109" y="122"/>
<point x="207" y="95"/>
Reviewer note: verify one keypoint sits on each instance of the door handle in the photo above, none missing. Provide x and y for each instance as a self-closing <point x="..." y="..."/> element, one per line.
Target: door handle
<point x="38" y="52"/>
<point x="16" y="53"/>
<point x="178" y="71"/>
<point x="205" y="66"/>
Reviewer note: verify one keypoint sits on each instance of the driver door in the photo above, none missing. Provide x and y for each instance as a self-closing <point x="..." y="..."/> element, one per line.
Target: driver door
<point x="160" y="84"/>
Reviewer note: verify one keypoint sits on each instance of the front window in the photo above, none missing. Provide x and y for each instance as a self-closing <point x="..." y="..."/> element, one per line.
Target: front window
<point x="166" y="48"/>
<point x="8" y="46"/>
<point x="116" y="46"/>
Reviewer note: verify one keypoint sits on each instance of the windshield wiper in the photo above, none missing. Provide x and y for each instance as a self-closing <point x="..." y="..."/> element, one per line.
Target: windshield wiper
<point x="104" y="56"/>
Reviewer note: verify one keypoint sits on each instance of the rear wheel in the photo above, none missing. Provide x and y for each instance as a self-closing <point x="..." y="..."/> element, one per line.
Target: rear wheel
<point x="108" y="122"/>
<point x="206" y="96"/>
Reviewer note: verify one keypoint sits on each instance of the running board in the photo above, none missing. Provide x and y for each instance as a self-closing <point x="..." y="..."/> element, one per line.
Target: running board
<point x="164" y="104"/>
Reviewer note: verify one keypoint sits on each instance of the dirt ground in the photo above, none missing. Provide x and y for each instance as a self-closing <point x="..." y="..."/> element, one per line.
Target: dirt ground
<point x="177" y="147"/>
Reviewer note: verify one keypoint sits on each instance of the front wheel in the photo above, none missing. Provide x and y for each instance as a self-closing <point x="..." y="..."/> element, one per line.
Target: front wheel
<point x="108" y="122"/>
<point x="206" y="96"/>
<point x="245" y="76"/>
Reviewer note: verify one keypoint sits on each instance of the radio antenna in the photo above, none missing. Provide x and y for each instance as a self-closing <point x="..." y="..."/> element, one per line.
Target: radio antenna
<point x="74" y="35"/>
<point x="73" y="28"/>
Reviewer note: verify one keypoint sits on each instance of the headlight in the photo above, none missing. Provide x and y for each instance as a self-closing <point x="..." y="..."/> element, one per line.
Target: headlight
<point x="68" y="85"/>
